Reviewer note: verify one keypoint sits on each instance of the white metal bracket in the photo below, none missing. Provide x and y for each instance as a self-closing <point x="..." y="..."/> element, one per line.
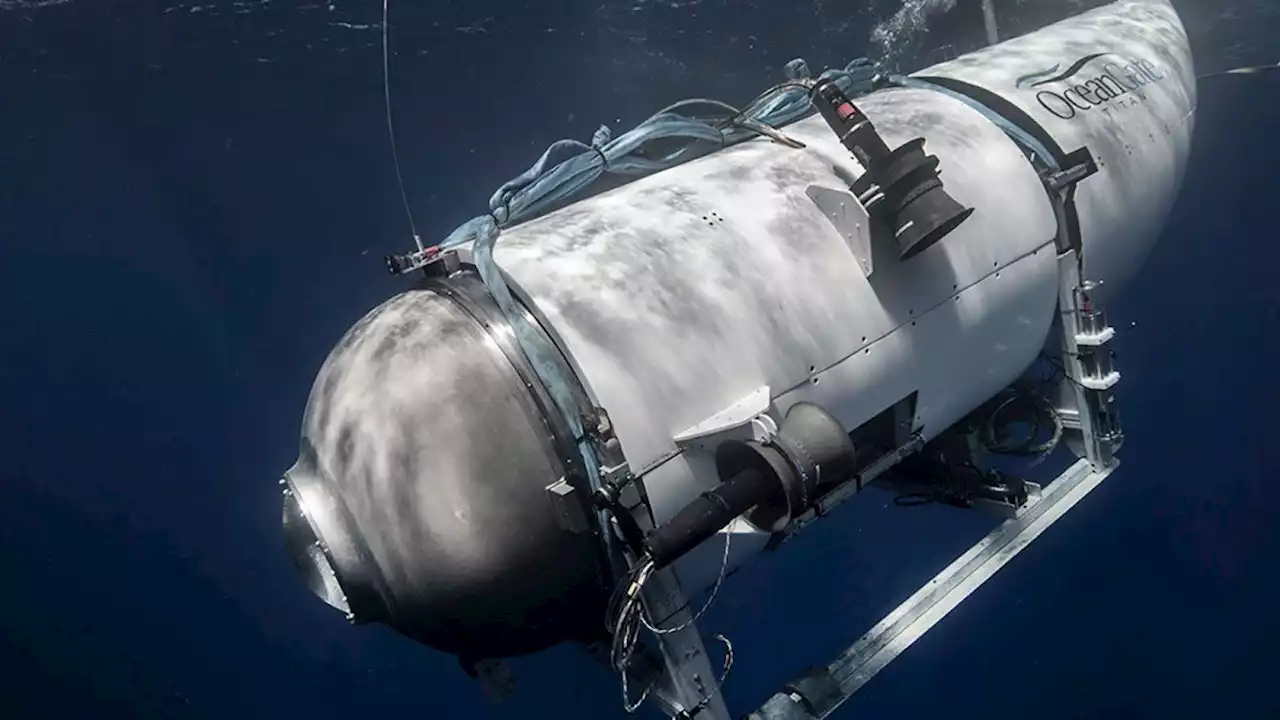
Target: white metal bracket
<point x="850" y="218"/>
<point x="751" y="418"/>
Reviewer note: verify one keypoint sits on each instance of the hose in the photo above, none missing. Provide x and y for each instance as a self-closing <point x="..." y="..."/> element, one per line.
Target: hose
<point x="568" y="167"/>
<point x="1040" y="410"/>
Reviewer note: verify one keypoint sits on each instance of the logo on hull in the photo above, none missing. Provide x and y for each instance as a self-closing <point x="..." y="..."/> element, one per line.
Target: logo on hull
<point x="1121" y="84"/>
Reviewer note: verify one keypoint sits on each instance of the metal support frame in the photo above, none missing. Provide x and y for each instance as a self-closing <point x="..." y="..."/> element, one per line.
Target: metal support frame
<point x="845" y="675"/>
<point x="819" y="691"/>
<point x="689" y="680"/>
<point x="1086" y="358"/>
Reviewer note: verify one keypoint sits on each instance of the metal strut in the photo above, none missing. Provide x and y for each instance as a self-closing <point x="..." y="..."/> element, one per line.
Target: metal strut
<point x="819" y="691"/>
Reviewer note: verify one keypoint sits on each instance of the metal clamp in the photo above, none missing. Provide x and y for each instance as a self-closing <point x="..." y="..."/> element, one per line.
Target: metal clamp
<point x="1088" y="364"/>
<point x="433" y="260"/>
<point x="749" y="418"/>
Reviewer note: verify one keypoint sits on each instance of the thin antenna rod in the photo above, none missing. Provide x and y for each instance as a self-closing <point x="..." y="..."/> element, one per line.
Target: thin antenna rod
<point x="391" y="130"/>
<point x="989" y="17"/>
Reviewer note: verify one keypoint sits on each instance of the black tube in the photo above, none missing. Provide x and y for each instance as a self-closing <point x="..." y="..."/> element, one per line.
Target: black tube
<point x="855" y="131"/>
<point x="710" y="512"/>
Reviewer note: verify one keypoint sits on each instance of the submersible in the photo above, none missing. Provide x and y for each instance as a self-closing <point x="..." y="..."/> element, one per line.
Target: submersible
<point x="740" y="336"/>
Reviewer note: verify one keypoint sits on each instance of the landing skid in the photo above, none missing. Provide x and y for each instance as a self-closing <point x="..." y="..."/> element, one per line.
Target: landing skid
<point x="818" y="692"/>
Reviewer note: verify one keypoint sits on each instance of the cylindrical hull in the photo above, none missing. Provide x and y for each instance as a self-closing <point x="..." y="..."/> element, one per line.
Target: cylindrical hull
<point x="681" y="293"/>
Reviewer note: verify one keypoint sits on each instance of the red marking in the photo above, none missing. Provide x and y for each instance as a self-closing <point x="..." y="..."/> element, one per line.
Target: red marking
<point x="846" y="111"/>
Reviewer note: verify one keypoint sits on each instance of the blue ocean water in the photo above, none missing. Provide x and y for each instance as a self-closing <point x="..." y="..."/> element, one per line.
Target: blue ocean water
<point x="194" y="201"/>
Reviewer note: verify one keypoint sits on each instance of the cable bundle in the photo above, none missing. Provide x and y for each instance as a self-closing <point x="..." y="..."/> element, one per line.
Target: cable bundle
<point x="625" y="615"/>
<point x="568" y="167"/>
<point x="1023" y="405"/>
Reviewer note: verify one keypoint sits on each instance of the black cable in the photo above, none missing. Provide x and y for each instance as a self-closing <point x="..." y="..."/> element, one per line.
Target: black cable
<point x="990" y="436"/>
<point x="1054" y="374"/>
<point x="622" y="620"/>
<point x="622" y="615"/>
<point x="1063" y="369"/>
<point x="625" y="615"/>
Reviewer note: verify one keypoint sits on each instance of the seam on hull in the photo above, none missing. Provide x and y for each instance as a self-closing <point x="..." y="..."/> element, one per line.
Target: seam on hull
<point x="1026" y="254"/>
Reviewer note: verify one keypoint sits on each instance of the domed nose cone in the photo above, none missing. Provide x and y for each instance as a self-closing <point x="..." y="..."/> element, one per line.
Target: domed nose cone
<point x="434" y="459"/>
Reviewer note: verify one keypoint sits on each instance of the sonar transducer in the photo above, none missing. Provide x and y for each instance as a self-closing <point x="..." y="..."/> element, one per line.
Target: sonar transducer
<point x="900" y="185"/>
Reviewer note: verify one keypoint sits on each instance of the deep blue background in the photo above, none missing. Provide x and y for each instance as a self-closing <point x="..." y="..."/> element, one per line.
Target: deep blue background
<point x="193" y="203"/>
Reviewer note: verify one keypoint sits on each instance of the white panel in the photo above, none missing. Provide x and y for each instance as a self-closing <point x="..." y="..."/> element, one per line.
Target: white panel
<point x="970" y="346"/>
